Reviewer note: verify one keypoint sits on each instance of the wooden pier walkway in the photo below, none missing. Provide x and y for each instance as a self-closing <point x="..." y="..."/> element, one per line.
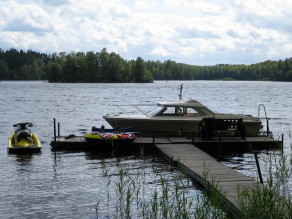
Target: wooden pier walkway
<point x="205" y="170"/>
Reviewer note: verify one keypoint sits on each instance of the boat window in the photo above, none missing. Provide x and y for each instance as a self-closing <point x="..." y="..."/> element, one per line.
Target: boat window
<point x="156" y="111"/>
<point x="169" y="110"/>
<point x="172" y="111"/>
<point x="191" y="112"/>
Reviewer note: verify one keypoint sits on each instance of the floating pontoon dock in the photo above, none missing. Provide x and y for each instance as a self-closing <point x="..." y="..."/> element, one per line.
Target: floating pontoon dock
<point x="74" y="142"/>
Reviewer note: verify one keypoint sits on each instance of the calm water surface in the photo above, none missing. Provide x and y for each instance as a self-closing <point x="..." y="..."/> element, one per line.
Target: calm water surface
<point x="68" y="185"/>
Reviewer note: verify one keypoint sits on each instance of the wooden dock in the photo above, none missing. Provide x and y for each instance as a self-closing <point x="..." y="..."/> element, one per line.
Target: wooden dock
<point x="200" y="166"/>
<point x="234" y="141"/>
<point x="74" y="142"/>
<point x="205" y="170"/>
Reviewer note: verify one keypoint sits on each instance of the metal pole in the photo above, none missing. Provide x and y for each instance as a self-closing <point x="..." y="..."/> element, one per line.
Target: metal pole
<point x="219" y="148"/>
<point x="193" y="136"/>
<point x="171" y="163"/>
<point x="55" y="138"/>
<point x="268" y="128"/>
<point x="153" y="140"/>
<point x="258" y="166"/>
<point x="58" y="129"/>
<point x="282" y="143"/>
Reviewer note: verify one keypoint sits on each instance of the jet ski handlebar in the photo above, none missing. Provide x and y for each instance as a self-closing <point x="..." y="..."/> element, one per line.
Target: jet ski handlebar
<point x="23" y="125"/>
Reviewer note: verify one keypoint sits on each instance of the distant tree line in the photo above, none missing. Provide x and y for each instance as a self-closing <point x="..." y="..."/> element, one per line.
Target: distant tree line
<point x="74" y="67"/>
<point x="110" y="67"/>
<point x="20" y="65"/>
<point x="96" y="67"/>
<point x="268" y="70"/>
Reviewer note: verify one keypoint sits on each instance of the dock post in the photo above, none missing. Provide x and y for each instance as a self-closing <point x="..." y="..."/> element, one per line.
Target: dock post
<point x="282" y="143"/>
<point x="55" y="139"/>
<point x="258" y="166"/>
<point x="219" y="148"/>
<point x="58" y="129"/>
<point x="193" y="136"/>
<point x="268" y="129"/>
<point x="171" y="163"/>
<point x="153" y="136"/>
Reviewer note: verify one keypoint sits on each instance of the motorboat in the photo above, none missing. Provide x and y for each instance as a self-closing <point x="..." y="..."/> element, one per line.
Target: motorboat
<point x="23" y="139"/>
<point x="187" y="117"/>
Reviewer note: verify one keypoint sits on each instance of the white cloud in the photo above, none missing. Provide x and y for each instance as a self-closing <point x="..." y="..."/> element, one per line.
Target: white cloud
<point x="142" y="5"/>
<point x="17" y="17"/>
<point x="262" y="8"/>
<point x="210" y="31"/>
<point x="160" y="51"/>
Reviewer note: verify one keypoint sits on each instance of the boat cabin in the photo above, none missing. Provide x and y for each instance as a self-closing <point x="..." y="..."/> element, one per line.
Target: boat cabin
<point x="188" y="108"/>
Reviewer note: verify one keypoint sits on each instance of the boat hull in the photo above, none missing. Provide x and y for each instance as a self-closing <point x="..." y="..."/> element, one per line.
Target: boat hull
<point x="184" y="126"/>
<point x="23" y="144"/>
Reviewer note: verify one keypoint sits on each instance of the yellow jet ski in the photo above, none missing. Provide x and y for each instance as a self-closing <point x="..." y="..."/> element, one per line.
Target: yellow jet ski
<point x="23" y="139"/>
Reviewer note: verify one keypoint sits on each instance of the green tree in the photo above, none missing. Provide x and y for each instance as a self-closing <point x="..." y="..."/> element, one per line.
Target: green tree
<point x="92" y="66"/>
<point x="147" y="77"/>
<point x="54" y="70"/>
<point x="103" y="59"/>
<point x="139" y="70"/>
<point x="4" y="70"/>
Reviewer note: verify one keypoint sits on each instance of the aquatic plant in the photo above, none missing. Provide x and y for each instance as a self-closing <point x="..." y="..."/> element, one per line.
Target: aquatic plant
<point x="167" y="196"/>
<point x="273" y="199"/>
<point x="262" y="202"/>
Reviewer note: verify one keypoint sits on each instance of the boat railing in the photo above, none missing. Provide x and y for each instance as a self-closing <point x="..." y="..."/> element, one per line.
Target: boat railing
<point x="136" y="106"/>
<point x="140" y="110"/>
<point x="122" y="109"/>
<point x="211" y="126"/>
<point x="268" y="132"/>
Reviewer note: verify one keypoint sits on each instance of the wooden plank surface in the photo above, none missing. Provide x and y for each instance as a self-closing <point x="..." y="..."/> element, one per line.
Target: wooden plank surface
<point x="80" y="141"/>
<point x="206" y="170"/>
<point x="149" y="140"/>
<point x="165" y="140"/>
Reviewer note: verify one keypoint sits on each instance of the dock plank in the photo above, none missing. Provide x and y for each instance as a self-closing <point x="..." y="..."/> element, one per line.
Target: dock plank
<point x="149" y="140"/>
<point x="206" y="170"/>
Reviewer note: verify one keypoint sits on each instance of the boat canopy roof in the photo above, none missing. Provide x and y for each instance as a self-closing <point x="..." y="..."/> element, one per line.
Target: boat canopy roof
<point x="182" y="103"/>
<point x="188" y="103"/>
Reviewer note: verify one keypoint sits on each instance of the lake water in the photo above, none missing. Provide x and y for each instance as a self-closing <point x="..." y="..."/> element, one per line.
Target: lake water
<point x="69" y="184"/>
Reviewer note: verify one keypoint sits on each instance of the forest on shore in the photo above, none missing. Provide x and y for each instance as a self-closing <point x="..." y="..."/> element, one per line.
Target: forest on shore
<point x="110" y="67"/>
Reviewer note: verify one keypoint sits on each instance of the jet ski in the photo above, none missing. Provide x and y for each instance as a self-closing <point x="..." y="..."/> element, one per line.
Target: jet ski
<point x="23" y="139"/>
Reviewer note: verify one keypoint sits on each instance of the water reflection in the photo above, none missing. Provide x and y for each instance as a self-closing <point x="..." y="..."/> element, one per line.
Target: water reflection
<point x="24" y="158"/>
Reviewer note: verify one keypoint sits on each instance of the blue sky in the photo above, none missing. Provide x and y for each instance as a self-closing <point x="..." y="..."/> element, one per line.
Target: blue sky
<point x="195" y="32"/>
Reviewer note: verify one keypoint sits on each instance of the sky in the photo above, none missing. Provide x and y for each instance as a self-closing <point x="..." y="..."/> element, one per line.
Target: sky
<point x="196" y="32"/>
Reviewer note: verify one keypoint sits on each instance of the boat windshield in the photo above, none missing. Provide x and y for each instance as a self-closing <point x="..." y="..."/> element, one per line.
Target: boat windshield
<point x="156" y="111"/>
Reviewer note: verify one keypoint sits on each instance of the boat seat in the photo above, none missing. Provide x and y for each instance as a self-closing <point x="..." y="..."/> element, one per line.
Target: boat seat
<point x="23" y="134"/>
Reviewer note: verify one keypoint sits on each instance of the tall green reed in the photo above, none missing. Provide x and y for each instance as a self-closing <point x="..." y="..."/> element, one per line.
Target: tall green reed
<point x="273" y="199"/>
<point x="147" y="191"/>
